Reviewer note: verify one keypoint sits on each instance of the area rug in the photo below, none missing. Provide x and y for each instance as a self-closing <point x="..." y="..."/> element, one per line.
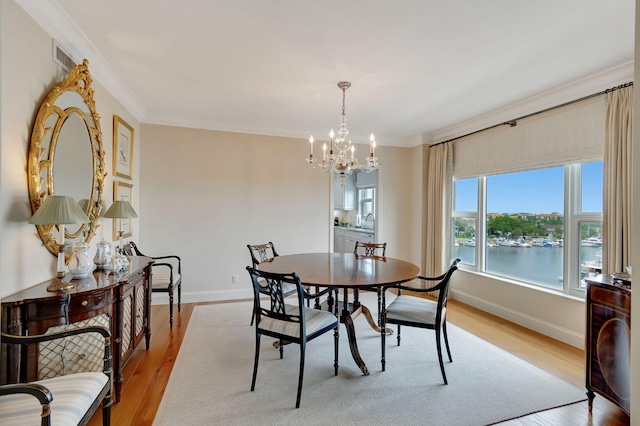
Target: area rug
<point x="211" y="379"/>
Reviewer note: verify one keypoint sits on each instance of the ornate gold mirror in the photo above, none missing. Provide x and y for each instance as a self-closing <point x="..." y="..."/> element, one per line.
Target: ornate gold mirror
<point x="66" y="155"/>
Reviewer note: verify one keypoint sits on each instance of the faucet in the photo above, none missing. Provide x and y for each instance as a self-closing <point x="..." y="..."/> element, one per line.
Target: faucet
<point x="368" y="218"/>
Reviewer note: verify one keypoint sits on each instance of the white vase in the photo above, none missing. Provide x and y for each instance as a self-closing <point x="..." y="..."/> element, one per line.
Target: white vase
<point x="80" y="264"/>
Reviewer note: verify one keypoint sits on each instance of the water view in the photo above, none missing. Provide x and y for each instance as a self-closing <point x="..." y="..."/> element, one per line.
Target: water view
<point x="537" y="264"/>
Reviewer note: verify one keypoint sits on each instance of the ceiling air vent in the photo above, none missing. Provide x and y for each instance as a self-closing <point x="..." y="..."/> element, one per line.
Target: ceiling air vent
<point x="60" y="57"/>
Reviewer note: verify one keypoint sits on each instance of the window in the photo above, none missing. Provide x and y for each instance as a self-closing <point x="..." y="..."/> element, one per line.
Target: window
<point x="366" y="197"/>
<point x="541" y="227"/>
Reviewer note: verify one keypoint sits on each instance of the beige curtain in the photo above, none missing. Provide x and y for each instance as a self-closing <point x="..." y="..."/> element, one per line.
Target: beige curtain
<point x="617" y="181"/>
<point x="437" y="209"/>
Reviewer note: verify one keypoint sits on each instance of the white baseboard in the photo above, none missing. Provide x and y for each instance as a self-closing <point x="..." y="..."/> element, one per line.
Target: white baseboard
<point x="202" y="296"/>
<point x="536" y="324"/>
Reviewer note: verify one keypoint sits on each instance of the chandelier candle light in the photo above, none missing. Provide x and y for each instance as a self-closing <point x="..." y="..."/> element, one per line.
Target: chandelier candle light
<point x="341" y="157"/>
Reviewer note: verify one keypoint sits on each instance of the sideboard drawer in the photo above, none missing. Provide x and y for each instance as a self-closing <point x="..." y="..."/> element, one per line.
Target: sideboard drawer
<point x="90" y="302"/>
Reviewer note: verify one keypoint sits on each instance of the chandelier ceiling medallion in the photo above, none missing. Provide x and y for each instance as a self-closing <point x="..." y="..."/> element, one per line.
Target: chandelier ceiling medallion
<point x="341" y="156"/>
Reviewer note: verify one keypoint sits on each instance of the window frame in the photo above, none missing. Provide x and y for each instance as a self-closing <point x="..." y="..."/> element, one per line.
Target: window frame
<point x="573" y="216"/>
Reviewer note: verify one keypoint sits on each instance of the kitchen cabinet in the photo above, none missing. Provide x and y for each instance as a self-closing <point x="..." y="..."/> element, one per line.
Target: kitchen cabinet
<point x="338" y="241"/>
<point x="344" y="197"/>
<point x="345" y="240"/>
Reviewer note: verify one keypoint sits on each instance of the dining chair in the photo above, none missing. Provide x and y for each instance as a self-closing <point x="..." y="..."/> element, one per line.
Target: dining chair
<point x="262" y="253"/>
<point x="371" y="249"/>
<point x="293" y="323"/>
<point x="420" y="312"/>
<point x="167" y="276"/>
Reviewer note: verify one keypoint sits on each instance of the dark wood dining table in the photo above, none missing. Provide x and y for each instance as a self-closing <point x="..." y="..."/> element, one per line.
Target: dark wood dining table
<point x="346" y="271"/>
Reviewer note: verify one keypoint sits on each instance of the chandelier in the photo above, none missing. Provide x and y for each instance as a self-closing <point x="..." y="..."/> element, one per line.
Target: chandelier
<point x="341" y="156"/>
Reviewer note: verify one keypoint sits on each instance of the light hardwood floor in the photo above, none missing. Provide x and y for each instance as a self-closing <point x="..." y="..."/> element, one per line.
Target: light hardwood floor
<point x="147" y="372"/>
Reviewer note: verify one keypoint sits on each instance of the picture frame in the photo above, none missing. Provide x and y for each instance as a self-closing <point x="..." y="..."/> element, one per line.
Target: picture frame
<point x="123" y="142"/>
<point x="122" y="191"/>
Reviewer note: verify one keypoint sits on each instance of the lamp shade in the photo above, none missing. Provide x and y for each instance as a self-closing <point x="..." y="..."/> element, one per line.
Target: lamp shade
<point x="84" y="204"/>
<point x="58" y="210"/>
<point x="121" y="210"/>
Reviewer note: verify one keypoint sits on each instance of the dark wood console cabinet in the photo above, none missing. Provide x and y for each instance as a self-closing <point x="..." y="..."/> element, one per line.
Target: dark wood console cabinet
<point x="608" y="341"/>
<point x="120" y="302"/>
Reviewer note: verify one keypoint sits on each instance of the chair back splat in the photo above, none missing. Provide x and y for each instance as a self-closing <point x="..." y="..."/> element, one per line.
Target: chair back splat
<point x="262" y="252"/>
<point x="290" y="323"/>
<point x="370" y="249"/>
<point x="420" y="312"/>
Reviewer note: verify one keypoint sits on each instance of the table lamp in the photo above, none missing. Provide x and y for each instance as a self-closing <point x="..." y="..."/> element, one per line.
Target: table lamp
<point x="121" y="210"/>
<point x="59" y="210"/>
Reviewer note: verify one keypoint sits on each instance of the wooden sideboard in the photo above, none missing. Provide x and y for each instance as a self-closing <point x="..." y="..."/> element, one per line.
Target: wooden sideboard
<point x="119" y="302"/>
<point x="608" y="341"/>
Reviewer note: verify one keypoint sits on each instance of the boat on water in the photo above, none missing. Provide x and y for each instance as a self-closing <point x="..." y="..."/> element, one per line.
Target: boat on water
<point x="503" y="242"/>
<point x="592" y="242"/>
<point x="523" y="243"/>
<point x="548" y="243"/>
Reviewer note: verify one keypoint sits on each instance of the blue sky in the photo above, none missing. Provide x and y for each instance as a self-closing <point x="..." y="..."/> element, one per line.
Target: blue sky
<point x="536" y="191"/>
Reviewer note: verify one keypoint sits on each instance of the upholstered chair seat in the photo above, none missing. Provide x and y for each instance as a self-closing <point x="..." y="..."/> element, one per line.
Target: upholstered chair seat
<point x="73" y="397"/>
<point x="414" y="309"/>
<point x="315" y="321"/>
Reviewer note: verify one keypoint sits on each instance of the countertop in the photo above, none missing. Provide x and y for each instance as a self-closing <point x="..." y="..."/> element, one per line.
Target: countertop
<point x="350" y="228"/>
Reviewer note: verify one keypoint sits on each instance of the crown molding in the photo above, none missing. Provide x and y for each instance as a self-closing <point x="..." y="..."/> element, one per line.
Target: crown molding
<point x="577" y="89"/>
<point x="52" y="18"/>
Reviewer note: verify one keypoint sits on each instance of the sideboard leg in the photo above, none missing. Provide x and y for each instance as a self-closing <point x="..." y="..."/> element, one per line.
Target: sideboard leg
<point x="591" y="396"/>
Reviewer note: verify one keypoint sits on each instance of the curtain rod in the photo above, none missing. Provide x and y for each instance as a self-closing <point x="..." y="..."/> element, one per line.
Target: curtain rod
<point x="514" y="122"/>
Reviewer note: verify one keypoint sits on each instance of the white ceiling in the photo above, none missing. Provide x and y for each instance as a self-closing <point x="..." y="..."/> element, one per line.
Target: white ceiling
<point x="271" y="67"/>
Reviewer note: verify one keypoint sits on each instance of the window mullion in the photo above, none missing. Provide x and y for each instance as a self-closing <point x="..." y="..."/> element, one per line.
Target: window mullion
<point x="571" y="202"/>
<point x="481" y="219"/>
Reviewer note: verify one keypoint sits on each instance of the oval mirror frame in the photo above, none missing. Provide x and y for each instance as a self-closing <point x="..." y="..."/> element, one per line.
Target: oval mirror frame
<point x="42" y="147"/>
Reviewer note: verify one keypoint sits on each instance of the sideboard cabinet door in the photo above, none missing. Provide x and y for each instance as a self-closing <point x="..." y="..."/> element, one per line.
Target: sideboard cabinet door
<point x="608" y="342"/>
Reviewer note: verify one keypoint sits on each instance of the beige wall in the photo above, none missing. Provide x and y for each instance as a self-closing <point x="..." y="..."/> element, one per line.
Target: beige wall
<point x="208" y="194"/>
<point x="28" y="73"/>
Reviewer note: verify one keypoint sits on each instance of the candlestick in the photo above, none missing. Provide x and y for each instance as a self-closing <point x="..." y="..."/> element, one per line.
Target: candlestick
<point x="372" y="139"/>
<point x="331" y="135"/>
<point x="311" y="144"/>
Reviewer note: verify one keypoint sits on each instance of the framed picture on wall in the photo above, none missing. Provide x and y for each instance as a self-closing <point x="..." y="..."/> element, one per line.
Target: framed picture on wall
<point x="122" y="191"/>
<point x="122" y="148"/>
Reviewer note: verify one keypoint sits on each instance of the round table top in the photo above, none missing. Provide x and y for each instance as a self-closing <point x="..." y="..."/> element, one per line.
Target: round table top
<point x="342" y="269"/>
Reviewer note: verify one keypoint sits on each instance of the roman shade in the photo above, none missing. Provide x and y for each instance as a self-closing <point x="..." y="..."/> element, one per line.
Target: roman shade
<point x="572" y="133"/>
